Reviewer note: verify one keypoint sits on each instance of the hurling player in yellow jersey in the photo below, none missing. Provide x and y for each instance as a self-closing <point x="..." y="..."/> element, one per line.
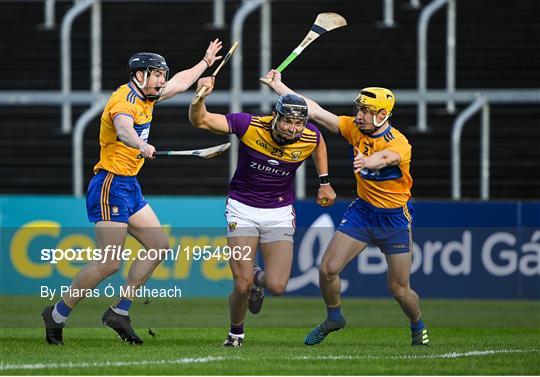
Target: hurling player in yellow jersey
<point x="114" y="200"/>
<point x="259" y="208"/>
<point x="380" y="216"/>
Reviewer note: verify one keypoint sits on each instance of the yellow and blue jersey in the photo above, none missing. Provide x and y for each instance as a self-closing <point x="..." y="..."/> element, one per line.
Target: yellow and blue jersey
<point x="114" y="194"/>
<point x="389" y="187"/>
<point x="115" y="156"/>
<point x="382" y="214"/>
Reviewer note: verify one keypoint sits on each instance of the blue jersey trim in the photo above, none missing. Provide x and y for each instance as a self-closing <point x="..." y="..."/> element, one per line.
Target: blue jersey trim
<point x="131" y="97"/>
<point x="383" y="134"/>
<point x="134" y="91"/>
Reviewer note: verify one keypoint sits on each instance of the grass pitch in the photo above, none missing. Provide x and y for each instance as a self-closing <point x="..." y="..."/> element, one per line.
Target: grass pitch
<point x="468" y="337"/>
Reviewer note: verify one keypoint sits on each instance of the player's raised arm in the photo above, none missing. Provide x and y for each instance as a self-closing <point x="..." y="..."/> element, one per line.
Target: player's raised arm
<point x="323" y="117"/>
<point x="326" y="195"/>
<point x="181" y="81"/>
<point x="202" y="118"/>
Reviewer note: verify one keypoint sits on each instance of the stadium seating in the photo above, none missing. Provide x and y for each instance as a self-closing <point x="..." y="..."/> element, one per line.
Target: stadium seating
<point x="36" y="156"/>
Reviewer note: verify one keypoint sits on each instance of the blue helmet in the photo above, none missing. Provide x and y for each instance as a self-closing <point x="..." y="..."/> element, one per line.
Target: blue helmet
<point x="292" y="105"/>
<point x="146" y="62"/>
<point x="143" y="61"/>
<point x="289" y="106"/>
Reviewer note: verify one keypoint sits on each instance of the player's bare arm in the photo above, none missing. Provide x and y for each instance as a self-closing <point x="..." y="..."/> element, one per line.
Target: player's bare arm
<point x="200" y="117"/>
<point x="376" y="161"/>
<point x="318" y="114"/>
<point x="127" y="135"/>
<point x="181" y="81"/>
<point x="326" y="195"/>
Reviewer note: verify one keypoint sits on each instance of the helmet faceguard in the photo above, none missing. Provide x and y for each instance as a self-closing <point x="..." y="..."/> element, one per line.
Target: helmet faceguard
<point x="374" y="100"/>
<point x="147" y="62"/>
<point x="293" y="107"/>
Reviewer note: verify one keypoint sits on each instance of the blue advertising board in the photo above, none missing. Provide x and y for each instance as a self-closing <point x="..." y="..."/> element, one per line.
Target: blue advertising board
<point x="473" y="250"/>
<point x="461" y="249"/>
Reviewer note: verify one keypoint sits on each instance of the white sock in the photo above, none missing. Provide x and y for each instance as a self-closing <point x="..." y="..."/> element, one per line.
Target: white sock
<point x="237" y="335"/>
<point x="120" y="311"/>
<point x="57" y="317"/>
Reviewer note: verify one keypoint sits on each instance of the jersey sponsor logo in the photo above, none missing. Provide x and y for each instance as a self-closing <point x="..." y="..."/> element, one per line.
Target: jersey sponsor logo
<point x="143" y="130"/>
<point x="273" y="162"/>
<point x="145" y="133"/>
<point x="384" y="174"/>
<point x="269" y="169"/>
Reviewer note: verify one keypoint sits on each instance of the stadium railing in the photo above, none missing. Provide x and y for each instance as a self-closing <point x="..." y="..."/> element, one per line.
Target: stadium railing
<point x="480" y="103"/>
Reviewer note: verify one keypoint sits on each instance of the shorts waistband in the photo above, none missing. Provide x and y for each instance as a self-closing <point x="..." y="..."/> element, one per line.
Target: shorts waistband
<point x="123" y="178"/>
<point x="362" y="202"/>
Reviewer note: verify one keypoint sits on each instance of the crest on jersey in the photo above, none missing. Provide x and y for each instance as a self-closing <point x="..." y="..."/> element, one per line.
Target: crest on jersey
<point x="295" y="155"/>
<point x="231" y="226"/>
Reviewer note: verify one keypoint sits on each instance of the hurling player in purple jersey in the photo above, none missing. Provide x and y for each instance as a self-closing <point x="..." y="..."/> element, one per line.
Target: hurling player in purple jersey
<point x="259" y="208"/>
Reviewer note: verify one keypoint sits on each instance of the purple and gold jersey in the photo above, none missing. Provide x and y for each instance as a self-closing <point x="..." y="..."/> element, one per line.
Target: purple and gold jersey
<point x="265" y="171"/>
<point x="115" y="156"/>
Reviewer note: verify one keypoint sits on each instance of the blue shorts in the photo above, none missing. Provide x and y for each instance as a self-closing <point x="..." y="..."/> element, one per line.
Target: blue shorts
<point x="112" y="197"/>
<point x="390" y="229"/>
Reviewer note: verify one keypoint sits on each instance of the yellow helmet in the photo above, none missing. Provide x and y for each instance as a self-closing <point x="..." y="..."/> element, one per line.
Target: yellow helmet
<point x="376" y="99"/>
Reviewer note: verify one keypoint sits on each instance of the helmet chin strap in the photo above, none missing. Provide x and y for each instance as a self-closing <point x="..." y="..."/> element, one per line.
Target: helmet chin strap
<point x="376" y="124"/>
<point x="380" y="124"/>
<point x="143" y="85"/>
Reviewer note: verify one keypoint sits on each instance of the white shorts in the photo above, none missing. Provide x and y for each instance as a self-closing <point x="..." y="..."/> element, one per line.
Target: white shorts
<point x="269" y="224"/>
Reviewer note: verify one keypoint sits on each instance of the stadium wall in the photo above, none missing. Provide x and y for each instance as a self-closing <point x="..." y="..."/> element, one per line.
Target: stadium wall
<point x="462" y="249"/>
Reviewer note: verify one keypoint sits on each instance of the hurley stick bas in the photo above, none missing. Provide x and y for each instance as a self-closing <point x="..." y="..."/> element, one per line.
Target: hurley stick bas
<point x="203" y="153"/>
<point x="324" y="23"/>
<point x="225" y="60"/>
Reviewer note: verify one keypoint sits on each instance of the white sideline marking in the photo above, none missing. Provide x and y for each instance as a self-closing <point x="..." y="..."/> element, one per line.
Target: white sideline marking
<point x="208" y="359"/>
<point x="450" y="355"/>
<point x="186" y="360"/>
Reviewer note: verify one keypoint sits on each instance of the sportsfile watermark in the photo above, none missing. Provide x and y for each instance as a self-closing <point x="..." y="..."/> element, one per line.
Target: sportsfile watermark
<point x="40" y="264"/>
<point x="119" y="253"/>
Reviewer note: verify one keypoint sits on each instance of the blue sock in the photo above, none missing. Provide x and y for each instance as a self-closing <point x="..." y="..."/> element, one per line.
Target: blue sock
<point x="417" y="325"/>
<point x="62" y="308"/>
<point x="237" y="329"/>
<point x="334" y="314"/>
<point x="122" y="306"/>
